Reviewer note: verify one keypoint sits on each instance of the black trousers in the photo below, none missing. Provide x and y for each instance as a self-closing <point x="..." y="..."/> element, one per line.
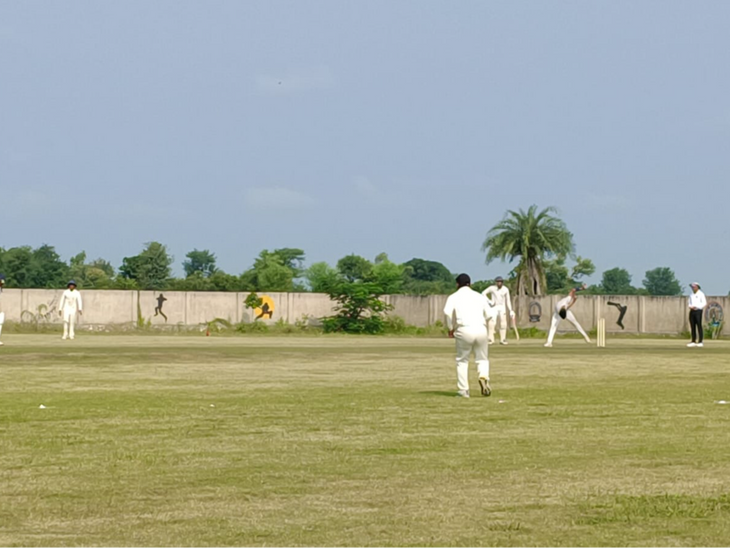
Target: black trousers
<point x="695" y="323"/>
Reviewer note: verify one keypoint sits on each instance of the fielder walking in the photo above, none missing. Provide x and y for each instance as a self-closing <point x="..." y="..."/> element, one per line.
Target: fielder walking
<point x="467" y="313"/>
<point x="501" y="303"/>
<point x="70" y="305"/>
<point x="697" y="303"/>
<point x="562" y="312"/>
<point x="2" y="314"/>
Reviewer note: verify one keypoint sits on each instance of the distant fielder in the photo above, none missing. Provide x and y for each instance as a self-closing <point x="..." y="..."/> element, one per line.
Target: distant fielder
<point x="562" y="312"/>
<point x="2" y="314"/>
<point x="467" y="312"/>
<point x="499" y="298"/>
<point x="68" y="308"/>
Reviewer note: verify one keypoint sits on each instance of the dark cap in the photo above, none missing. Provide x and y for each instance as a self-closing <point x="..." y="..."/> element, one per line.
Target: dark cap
<point x="499" y="279"/>
<point x="463" y="279"/>
<point x="69" y="284"/>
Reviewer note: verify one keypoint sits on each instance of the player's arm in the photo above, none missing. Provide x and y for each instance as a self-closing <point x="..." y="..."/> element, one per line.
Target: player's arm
<point x="508" y="300"/>
<point x="449" y="313"/>
<point x="573" y="298"/>
<point x="487" y="295"/>
<point x="60" y="304"/>
<point x="80" y="303"/>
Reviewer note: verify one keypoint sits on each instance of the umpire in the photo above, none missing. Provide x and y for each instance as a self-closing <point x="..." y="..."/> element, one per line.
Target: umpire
<point x="697" y="303"/>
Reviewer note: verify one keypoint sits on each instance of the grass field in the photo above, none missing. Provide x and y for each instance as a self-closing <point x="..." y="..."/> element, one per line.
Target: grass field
<point x="359" y="441"/>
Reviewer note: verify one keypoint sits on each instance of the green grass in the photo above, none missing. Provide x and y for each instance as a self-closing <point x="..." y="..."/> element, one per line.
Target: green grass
<point x="198" y="441"/>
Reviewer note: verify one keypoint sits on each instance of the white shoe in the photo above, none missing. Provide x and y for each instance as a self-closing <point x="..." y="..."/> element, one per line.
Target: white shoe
<point x="462" y="394"/>
<point x="503" y="342"/>
<point x="72" y="338"/>
<point x="2" y="343"/>
<point x="548" y="345"/>
<point x="691" y="345"/>
<point x="700" y="345"/>
<point x="64" y="338"/>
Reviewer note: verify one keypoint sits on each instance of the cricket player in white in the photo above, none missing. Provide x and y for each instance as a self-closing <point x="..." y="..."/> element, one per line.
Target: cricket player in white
<point x="467" y="313"/>
<point x="69" y="306"/>
<point x="500" y="301"/>
<point x="562" y="311"/>
<point x="2" y="314"/>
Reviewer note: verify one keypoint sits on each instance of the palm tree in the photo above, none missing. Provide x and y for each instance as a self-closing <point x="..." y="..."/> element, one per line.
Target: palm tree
<point x="532" y="237"/>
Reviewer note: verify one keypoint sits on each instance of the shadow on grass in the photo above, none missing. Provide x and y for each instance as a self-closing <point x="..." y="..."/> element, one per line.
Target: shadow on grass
<point x="451" y="394"/>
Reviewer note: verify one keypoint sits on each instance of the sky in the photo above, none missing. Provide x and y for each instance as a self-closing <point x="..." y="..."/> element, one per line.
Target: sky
<point x="338" y="127"/>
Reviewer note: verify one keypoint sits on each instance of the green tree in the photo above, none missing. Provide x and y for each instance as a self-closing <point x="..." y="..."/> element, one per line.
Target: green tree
<point x="48" y="268"/>
<point x="529" y="237"/>
<point x="560" y="279"/>
<point x="200" y="261"/>
<point x="292" y="258"/>
<point x="422" y="277"/>
<point x="150" y="269"/>
<point x="97" y="274"/>
<point x="387" y="274"/>
<point x="354" y="268"/>
<point x="322" y="278"/>
<point x="40" y="268"/>
<point x="16" y="265"/>
<point x="269" y="273"/>
<point x="617" y="281"/>
<point x="662" y="281"/>
<point x="358" y="309"/>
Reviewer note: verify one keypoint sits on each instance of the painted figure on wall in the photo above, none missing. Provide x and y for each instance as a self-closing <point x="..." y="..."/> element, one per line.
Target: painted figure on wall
<point x="158" y="309"/>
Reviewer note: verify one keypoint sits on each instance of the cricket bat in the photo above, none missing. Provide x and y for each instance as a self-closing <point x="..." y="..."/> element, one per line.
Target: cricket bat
<point x="514" y="326"/>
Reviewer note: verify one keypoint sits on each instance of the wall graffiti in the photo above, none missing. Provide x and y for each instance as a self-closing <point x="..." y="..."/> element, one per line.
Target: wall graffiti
<point x="266" y="309"/>
<point x="714" y="314"/>
<point x="622" y="308"/>
<point x="158" y="309"/>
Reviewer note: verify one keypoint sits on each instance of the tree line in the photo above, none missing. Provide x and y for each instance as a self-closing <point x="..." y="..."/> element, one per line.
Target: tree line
<point x="537" y="243"/>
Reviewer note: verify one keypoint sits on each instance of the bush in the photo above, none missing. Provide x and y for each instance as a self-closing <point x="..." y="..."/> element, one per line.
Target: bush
<point x="359" y="309"/>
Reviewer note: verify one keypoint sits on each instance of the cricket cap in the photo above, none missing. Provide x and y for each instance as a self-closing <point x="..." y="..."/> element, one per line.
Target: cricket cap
<point x="695" y="284"/>
<point x="70" y="283"/>
<point x="499" y="279"/>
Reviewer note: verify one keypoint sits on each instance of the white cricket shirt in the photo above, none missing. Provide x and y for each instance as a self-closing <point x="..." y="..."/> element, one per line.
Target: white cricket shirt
<point x="499" y="297"/>
<point x="71" y="301"/>
<point x="698" y="300"/>
<point x="466" y="308"/>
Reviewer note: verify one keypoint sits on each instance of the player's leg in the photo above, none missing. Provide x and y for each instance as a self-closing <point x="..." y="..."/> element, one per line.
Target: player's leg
<point x="71" y="325"/>
<point x="553" y="328"/>
<point x="65" y="325"/>
<point x="2" y="321"/>
<point x="481" y="355"/>
<point x="572" y="319"/>
<point x="464" y="345"/>
<point x="693" y="326"/>
<point x="700" y="330"/>
<point x="503" y="325"/>
<point x="491" y="326"/>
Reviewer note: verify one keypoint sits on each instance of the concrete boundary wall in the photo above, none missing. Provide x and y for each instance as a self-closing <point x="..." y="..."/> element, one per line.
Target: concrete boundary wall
<point x="638" y="314"/>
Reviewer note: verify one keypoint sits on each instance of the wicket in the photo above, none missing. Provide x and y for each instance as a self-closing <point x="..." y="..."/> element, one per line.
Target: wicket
<point x="601" y="332"/>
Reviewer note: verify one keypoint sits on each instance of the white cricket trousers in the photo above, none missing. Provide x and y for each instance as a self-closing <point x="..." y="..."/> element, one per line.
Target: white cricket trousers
<point x="468" y="340"/>
<point x="500" y="311"/>
<point x="556" y="321"/>
<point x="69" y="322"/>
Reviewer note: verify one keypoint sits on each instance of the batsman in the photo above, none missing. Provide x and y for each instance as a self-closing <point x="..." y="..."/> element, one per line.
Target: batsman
<point x="501" y="303"/>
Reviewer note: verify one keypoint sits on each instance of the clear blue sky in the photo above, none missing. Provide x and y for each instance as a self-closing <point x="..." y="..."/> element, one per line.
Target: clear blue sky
<point x="358" y="127"/>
